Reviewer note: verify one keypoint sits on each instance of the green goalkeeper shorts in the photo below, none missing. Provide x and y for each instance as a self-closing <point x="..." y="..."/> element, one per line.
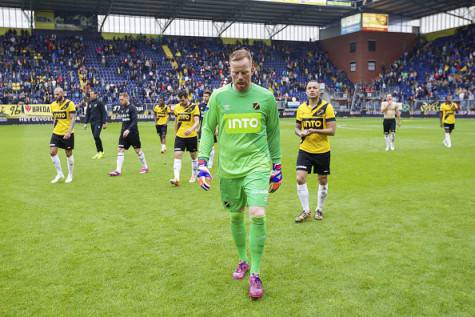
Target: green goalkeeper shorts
<point x="251" y="190"/>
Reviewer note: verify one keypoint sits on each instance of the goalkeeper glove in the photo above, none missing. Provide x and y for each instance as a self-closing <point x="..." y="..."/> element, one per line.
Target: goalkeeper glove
<point x="275" y="178"/>
<point x="204" y="176"/>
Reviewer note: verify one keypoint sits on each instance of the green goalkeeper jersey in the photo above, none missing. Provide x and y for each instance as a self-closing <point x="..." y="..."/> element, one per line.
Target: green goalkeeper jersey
<point x="248" y="130"/>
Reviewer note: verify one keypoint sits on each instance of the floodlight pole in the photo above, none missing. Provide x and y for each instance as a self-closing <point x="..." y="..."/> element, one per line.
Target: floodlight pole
<point x="449" y="13"/>
<point x="111" y="2"/>
<point x="460" y="17"/>
<point x="274" y="30"/>
<point x="103" y="22"/>
<point x="221" y="28"/>
<point x="31" y="15"/>
<point x="470" y="13"/>
<point x="238" y="11"/>
<point x="29" y="18"/>
<point x="164" y="26"/>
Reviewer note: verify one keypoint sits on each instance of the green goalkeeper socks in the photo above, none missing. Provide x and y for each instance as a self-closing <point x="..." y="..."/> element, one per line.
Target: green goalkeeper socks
<point x="257" y="240"/>
<point x="238" y="230"/>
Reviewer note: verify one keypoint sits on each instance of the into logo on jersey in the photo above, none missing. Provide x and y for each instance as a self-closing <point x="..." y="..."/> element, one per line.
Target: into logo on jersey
<point x="242" y="123"/>
<point x="312" y="123"/>
<point x="184" y="117"/>
<point x="59" y="115"/>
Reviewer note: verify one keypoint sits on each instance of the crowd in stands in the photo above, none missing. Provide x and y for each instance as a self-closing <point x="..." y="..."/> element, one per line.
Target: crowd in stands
<point x="201" y="63"/>
<point x="32" y="65"/>
<point x="30" y="69"/>
<point x="434" y="69"/>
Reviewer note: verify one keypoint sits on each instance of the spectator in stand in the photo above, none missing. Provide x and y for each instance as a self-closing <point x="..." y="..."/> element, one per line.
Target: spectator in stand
<point x="32" y="65"/>
<point x="434" y="69"/>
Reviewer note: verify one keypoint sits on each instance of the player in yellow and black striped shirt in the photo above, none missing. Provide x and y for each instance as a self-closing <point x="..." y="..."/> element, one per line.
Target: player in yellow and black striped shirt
<point x="447" y="119"/>
<point x="187" y="121"/>
<point x="315" y="122"/>
<point x="161" y="111"/>
<point x="64" y="116"/>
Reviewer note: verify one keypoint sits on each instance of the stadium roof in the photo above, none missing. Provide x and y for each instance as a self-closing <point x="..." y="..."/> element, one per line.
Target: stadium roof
<point x="415" y="9"/>
<point x="253" y="11"/>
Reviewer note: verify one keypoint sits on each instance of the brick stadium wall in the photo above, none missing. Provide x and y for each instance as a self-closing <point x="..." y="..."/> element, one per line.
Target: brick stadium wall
<point x="389" y="47"/>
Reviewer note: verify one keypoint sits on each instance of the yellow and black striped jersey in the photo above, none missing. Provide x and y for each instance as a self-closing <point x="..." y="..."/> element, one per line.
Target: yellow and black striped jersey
<point x="315" y="118"/>
<point x="448" y="110"/>
<point x="185" y="118"/>
<point x="62" y="115"/>
<point x="161" y="112"/>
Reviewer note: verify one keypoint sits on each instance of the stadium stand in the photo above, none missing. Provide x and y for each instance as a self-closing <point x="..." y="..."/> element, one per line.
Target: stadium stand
<point x="434" y="69"/>
<point x="34" y="64"/>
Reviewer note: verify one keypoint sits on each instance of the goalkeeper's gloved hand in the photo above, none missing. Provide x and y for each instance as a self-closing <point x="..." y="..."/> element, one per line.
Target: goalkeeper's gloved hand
<point x="204" y="176"/>
<point x="275" y="178"/>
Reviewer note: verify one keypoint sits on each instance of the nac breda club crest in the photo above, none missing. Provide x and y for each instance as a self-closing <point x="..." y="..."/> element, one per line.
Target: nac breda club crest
<point x="236" y="123"/>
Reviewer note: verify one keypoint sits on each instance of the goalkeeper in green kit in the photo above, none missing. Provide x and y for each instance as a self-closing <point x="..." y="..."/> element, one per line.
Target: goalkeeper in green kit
<point x="249" y="159"/>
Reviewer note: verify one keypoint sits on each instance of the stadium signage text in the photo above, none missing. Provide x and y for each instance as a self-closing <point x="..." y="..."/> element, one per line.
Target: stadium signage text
<point x="17" y="111"/>
<point x="37" y="110"/>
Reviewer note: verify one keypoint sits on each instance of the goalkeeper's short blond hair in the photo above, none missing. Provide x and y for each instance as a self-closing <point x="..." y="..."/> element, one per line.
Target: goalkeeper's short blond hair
<point x="240" y="54"/>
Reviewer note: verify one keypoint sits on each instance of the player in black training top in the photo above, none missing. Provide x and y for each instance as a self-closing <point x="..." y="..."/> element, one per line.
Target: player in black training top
<point x="96" y="114"/>
<point x="203" y="109"/>
<point x="129" y="135"/>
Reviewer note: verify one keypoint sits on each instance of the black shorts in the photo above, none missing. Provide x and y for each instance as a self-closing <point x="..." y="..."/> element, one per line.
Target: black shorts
<point x="319" y="162"/>
<point x="133" y="139"/>
<point x="448" y="127"/>
<point x="161" y="129"/>
<point x="389" y="125"/>
<point x="58" y="141"/>
<point x="186" y="144"/>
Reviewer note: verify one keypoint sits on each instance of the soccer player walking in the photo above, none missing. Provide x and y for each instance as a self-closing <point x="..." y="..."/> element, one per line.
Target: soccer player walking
<point x="162" y="111"/>
<point x="187" y="121"/>
<point x="96" y="114"/>
<point x="249" y="139"/>
<point x="315" y="122"/>
<point x="390" y="110"/>
<point x="203" y="106"/>
<point x="129" y="135"/>
<point x="447" y="119"/>
<point x="64" y="117"/>
<point x="203" y="109"/>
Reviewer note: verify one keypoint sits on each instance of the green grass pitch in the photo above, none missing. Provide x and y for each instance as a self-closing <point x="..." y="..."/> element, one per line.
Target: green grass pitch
<point x="398" y="238"/>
